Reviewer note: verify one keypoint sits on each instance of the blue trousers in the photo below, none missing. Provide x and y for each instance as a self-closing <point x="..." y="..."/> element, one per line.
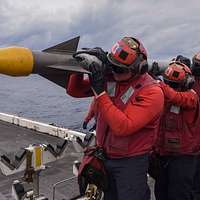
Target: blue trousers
<point x="176" y="178"/>
<point x="128" y="178"/>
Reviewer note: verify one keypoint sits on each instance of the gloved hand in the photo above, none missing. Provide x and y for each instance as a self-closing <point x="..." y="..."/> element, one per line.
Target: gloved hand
<point x="86" y="60"/>
<point x="97" y="51"/>
<point x="183" y="60"/>
<point x="85" y="125"/>
<point x="196" y="65"/>
<point x="94" y="60"/>
<point x="155" y="69"/>
<point x="93" y="128"/>
<point x="97" y="77"/>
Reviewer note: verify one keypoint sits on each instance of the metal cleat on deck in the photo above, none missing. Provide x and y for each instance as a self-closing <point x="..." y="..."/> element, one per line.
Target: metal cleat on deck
<point x="8" y="163"/>
<point x="32" y="161"/>
<point x="79" y="143"/>
<point x="41" y="154"/>
<point x="58" y="150"/>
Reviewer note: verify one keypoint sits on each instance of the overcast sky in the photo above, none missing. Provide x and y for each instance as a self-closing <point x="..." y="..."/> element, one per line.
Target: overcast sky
<point x="166" y="28"/>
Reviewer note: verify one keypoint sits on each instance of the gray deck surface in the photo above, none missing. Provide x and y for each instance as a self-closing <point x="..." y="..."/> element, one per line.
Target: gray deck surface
<point x="13" y="138"/>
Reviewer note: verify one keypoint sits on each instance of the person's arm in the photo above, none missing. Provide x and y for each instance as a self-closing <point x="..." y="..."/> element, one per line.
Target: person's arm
<point x="94" y="60"/>
<point x="78" y="86"/>
<point x="187" y="99"/>
<point x="91" y="111"/>
<point x="137" y="114"/>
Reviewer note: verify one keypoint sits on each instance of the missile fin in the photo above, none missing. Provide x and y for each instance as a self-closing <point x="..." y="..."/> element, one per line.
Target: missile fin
<point x="59" y="77"/>
<point x="59" y="73"/>
<point x="69" y="46"/>
<point x="69" y="68"/>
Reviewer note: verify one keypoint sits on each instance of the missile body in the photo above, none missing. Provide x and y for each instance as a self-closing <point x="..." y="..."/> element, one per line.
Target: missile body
<point x="53" y="63"/>
<point x="19" y="61"/>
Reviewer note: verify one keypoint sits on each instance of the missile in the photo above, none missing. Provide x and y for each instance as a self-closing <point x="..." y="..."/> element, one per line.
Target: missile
<point x="53" y="63"/>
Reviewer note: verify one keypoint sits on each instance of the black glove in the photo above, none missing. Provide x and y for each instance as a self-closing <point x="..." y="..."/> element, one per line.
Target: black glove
<point x="97" y="77"/>
<point x="85" y="125"/>
<point x="97" y="51"/>
<point x="155" y="71"/>
<point x="183" y="60"/>
<point x="93" y="128"/>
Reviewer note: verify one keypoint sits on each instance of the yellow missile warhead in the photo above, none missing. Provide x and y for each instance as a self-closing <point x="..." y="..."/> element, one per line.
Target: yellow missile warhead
<point x="16" y="61"/>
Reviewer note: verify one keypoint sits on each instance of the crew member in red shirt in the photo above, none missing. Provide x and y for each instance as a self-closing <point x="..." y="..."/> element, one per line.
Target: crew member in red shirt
<point x="177" y="141"/>
<point x="130" y="103"/>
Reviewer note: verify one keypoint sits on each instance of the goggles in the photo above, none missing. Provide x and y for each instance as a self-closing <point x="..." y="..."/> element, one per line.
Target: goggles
<point x="132" y="43"/>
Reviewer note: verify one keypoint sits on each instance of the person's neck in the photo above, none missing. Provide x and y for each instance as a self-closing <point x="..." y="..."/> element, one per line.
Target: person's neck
<point x="133" y="77"/>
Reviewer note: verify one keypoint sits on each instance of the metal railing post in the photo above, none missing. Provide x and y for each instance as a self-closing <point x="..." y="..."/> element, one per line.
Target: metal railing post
<point x="60" y="182"/>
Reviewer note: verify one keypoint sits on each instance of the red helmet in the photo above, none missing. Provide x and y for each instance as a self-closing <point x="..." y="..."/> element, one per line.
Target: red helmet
<point x="127" y="52"/>
<point x="178" y="75"/>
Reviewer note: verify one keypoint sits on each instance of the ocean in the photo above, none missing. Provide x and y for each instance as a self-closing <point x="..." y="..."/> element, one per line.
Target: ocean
<point x="36" y="98"/>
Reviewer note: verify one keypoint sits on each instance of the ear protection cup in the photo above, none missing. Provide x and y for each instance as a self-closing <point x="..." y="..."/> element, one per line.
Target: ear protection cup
<point x="143" y="68"/>
<point x="189" y="81"/>
<point x="140" y="66"/>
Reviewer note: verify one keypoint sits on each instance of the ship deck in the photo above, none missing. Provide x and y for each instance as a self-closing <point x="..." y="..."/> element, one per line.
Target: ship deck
<point x="13" y="138"/>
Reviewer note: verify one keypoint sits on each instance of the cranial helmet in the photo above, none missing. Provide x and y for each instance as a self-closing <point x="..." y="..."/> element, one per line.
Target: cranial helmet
<point x="129" y="53"/>
<point x="178" y="75"/>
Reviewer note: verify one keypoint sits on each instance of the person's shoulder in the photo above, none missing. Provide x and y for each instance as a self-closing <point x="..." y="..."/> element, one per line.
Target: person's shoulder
<point x="153" y="89"/>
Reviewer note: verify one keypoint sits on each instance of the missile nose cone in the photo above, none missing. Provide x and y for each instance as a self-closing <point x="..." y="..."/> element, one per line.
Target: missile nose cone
<point x="16" y="61"/>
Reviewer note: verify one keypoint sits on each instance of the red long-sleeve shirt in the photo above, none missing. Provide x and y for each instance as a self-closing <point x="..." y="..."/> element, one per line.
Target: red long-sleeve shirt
<point x="92" y="111"/>
<point x="137" y="114"/>
<point x="178" y="129"/>
<point x="187" y="99"/>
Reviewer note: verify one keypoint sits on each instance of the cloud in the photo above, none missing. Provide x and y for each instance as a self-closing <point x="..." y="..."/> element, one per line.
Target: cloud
<point x="166" y="28"/>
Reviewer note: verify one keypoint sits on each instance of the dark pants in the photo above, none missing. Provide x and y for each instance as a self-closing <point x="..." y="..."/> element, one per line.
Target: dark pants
<point x="127" y="178"/>
<point x="197" y="180"/>
<point x="176" y="178"/>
